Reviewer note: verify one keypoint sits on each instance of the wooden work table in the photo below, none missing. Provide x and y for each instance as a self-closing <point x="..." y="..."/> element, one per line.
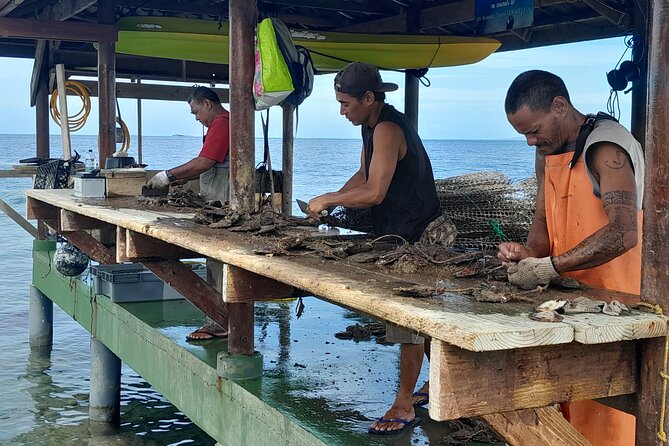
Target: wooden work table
<point x="592" y="355"/>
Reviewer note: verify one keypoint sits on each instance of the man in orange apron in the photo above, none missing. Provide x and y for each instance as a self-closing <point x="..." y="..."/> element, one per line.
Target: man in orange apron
<point x="587" y="223"/>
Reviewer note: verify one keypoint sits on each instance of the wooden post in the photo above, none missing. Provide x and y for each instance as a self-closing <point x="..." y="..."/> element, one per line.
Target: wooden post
<point x="42" y="116"/>
<point x="139" y="126"/>
<point x="243" y="17"/>
<point x="62" y="105"/>
<point x="287" y="160"/>
<point x="410" y="80"/>
<point x="106" y="86"/>
<point x="640" y="90"/>
<point x="655" y="271"/>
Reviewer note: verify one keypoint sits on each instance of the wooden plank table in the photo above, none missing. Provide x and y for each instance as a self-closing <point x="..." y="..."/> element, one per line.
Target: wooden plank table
<point x="486" y="358"/>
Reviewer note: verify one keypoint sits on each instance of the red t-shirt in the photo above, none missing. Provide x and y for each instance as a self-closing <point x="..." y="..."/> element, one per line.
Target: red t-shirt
<point x="217" y="141"/>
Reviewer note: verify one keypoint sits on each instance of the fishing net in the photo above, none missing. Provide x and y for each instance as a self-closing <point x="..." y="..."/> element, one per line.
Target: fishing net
<point x="485" y="207"/>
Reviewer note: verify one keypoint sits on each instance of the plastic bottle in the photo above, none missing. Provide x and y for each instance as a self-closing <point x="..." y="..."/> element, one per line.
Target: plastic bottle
<point x="89" y="161"/>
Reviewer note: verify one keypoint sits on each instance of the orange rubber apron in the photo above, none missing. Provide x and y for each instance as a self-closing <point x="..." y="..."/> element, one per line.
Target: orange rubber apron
<point x="573" y="213"/>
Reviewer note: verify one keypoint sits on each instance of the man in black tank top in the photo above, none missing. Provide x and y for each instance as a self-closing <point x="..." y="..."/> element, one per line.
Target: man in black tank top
<point x="395" y="180"/>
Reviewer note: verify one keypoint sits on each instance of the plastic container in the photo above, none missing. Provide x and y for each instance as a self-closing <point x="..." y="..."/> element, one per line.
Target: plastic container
<point x="127" y="283"/>
<point x="90" y="164"/>
<point x="89" y="186"/>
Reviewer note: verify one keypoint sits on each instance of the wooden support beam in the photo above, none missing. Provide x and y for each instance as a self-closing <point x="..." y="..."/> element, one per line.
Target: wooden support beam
<point x="50" y="30"/>
<point x="241" y="286"/>
<point x="18" y="218"/>
<point x="141" y="247"/>
<point x="537" y="427"/>
<point x="42" y="211"/>
<point x="71" y="221"/>
<point x="154" y="91"/>
<point x="38" y="67"/>
<point x="106" y="85"/>
<point x="288" y="138"/>
<point x="240" y="329"/>
<point x="93" y="248"/>
<point x="465" y="383"/>
<point x="243" y="18"/>
<point x="655" y="261"/>
<point x="198" y="292"/>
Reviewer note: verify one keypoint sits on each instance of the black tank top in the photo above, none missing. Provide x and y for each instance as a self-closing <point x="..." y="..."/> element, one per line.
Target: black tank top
<point x="411" y="202"/>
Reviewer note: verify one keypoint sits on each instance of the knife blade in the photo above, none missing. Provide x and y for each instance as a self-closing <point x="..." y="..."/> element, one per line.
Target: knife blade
<point x="303" y="207"/>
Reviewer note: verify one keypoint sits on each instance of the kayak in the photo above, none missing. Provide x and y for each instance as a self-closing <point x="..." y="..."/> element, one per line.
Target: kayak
<point x="207" y="41"/>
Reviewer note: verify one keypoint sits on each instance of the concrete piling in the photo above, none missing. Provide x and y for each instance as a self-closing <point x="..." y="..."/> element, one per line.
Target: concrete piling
<point x="105" y="397"/>
<point x="40" y="320"/>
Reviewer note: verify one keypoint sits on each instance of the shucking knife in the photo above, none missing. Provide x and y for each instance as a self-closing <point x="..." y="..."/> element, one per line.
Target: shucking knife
<point x="303" y="207"/>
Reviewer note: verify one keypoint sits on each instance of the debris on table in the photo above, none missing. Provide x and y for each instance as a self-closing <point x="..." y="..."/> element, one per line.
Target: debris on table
<point x="578" y="305"/>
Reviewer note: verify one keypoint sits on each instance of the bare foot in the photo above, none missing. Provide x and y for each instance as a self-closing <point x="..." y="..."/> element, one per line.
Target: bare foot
<point x="394" y="413"/>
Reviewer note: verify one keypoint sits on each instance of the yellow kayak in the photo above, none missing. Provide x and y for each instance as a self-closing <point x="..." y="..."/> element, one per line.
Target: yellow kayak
<point x="207" y="41"/>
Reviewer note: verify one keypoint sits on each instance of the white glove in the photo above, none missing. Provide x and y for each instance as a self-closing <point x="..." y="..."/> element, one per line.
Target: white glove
<point x="532" y="272"/>
<point x="158" y="181"/>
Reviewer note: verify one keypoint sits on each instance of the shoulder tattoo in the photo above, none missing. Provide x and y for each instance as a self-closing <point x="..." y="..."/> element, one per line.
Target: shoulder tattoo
<point x="618" y="161"/>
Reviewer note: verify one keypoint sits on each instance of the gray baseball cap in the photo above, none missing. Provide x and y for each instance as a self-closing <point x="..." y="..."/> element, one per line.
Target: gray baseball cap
<point x="357" y="78"/>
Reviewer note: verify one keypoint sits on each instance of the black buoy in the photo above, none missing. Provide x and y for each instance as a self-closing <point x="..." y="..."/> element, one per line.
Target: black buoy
<point x="70" y="260"/>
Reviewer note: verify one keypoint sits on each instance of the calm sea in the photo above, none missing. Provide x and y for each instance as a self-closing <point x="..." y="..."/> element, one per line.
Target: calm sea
<point x="44" y="401"/>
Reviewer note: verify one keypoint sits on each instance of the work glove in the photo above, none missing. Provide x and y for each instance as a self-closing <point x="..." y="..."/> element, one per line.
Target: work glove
<point x="532" y="272"/>
<point x="158" y="181"/>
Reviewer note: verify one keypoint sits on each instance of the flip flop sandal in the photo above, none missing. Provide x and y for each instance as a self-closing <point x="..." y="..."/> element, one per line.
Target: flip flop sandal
<point x="208" y="335"/>
<point x="424" y="401"/>
<point x="408" y="425"/>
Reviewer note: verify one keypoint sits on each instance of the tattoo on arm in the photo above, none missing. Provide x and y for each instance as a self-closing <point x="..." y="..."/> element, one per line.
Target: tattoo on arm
<point x="619" y="162"/>
<point x="610" y="241"/>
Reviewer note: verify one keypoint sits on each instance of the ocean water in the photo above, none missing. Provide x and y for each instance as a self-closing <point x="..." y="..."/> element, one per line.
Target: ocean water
<point x="44" y="400"/>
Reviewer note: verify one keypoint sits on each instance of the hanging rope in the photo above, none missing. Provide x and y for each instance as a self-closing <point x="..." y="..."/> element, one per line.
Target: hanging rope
<point x="76" y="121"/>
<point x="661" y="434"/>
<point x="125" y="144"/>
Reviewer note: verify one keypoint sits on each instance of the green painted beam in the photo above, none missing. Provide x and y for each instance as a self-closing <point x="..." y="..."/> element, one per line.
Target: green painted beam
<point x="230" y="412"/>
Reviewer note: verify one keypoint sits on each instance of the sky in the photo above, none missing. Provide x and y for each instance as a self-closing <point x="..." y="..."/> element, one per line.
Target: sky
<point x="465" y="102"/>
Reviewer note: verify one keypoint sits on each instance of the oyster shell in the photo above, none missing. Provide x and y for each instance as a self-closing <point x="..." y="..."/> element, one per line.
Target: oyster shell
<point x="550" y="305"/>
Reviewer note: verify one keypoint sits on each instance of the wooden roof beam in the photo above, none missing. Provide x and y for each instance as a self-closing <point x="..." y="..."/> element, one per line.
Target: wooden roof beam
<point x="65" y="9"/>
<point x="153" y="91"/>
<point x="443" y="15"/>
<point x="49" y="30"/>
<point x="84" y="63"/>
<point x="621" y="19"/>
<point x="368" y="7"/>
<point x="7" y="6"/>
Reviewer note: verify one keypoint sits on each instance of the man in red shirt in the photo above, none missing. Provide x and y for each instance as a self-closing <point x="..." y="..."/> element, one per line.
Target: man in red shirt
<point x="211" y="166"/>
